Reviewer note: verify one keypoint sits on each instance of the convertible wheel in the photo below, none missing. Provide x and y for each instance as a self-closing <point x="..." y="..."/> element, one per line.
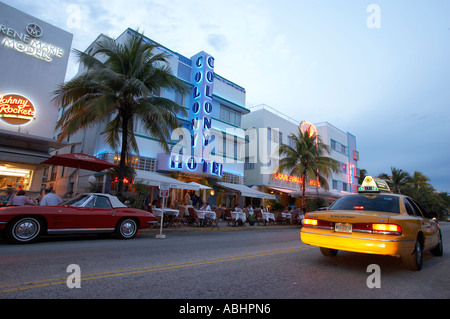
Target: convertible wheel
<point x="414" y="261"/>
<point x="24" y="230"/>
<point x="127" y="228"/>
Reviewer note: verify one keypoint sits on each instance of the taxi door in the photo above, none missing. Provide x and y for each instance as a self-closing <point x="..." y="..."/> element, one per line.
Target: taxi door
<point x="428" y="225"/>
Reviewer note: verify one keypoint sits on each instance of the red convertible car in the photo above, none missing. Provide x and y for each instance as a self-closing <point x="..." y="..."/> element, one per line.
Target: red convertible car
<point x="85" y="214"/>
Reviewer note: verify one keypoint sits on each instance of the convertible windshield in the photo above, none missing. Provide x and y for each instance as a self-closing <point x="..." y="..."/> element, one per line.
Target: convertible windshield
<point x="381" y="203"/>
<point x="77" y="201"/>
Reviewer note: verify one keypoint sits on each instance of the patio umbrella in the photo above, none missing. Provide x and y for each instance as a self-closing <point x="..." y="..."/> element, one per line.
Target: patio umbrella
<point x="79" y="161"/>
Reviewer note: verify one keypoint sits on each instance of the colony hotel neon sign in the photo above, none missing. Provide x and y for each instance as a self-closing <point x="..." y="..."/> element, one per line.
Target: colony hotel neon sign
<point x="198" y="161"/>
<point x="16" y="109"/>
<point x="28" y="43"/>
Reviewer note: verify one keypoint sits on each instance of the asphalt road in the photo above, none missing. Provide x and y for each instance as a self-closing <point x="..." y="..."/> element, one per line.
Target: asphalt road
<point x="243" y="264"/>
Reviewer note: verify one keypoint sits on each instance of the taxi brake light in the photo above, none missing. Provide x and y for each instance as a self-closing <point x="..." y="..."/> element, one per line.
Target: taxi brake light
<point x="387" y="228"/>
<point x="317" y="223"/>
<point x="310" y="222"/>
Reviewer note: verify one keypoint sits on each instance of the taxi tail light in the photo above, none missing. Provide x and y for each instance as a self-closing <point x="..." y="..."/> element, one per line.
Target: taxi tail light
<point x="317" y="223"/>
<point x="387" y="229"/>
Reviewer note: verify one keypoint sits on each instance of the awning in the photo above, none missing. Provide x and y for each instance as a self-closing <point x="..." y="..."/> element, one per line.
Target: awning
<point x="246" y="191"/>
<point x="311" y="193"/>
<point x="200" y="186"/>
<point x="156" y="179"/>
<point x="284" y="190"/>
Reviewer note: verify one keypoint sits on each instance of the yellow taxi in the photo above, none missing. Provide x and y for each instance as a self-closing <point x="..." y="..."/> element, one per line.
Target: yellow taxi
<point x="374" y="221"/>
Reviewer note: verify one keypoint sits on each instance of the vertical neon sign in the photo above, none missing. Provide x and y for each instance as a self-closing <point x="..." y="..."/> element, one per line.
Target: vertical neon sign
<point x="200" y="115"/>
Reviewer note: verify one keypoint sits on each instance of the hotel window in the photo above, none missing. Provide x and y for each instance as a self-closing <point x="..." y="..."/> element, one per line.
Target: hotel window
<point x="333" y="144"/>
<point x="249" y="165"/>
<point x="180" y="99"/>
<point x="338" y="147"/>
<point x="230" y="116"/>
<point x="335" y="184"/>
<point x="291" y="141"/>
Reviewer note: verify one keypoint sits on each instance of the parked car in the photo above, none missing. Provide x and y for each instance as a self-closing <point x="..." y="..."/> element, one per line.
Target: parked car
<point x="84" y="214"/>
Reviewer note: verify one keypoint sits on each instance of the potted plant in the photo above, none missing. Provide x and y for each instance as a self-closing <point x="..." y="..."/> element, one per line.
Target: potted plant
<point x="251" y="219"/>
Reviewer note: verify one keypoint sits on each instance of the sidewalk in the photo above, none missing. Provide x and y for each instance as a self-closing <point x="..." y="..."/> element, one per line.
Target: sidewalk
<point x="222" y="227"/>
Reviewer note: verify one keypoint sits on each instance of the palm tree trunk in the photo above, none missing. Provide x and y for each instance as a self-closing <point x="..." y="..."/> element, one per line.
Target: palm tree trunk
<point x="304" y="192"/>
<point x="123" y="153"/>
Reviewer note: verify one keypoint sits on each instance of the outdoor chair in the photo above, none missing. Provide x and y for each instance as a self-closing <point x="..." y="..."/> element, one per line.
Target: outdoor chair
<point x="278" y="218"/>
<point x="193" y="218"/>
<point x="230" y="220"/>
<point x="179" y="220"/>
<point x="259" y="218"/>
<point x="215" y="222"/>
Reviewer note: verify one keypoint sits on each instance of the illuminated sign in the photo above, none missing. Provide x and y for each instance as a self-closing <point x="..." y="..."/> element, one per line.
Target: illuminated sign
<point x="194" y="156"/>
<point x="16" y="109"/>
<point x="189" y="164"/>
<point x="294" y="179"/>
<point x="306" y="126"/>
<point x="28" y="43"/>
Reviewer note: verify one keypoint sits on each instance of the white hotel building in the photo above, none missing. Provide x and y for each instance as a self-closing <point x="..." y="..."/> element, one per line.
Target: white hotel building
<point x="270" y="127"/>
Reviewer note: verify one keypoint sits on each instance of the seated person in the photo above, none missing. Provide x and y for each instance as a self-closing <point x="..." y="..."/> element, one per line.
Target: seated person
<point x="205" y="207"/>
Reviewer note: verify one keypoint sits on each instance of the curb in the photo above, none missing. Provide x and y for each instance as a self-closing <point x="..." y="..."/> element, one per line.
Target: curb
<point x="221" y="229"/>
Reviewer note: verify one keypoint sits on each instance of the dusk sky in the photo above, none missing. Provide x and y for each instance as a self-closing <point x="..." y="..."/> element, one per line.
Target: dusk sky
<point x="377" y="69"/>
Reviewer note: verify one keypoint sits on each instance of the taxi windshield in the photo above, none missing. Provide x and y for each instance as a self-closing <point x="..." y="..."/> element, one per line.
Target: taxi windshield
<point x="381" y="203"/>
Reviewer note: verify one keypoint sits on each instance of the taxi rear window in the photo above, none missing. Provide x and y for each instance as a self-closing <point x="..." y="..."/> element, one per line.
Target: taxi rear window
<point x="380" y="203"/>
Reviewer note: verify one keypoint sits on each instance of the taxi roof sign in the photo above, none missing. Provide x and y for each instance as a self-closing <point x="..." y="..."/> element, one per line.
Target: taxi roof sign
<point x="373" y="185"/>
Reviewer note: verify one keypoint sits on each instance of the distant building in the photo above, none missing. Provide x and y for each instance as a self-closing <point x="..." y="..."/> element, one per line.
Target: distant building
<point x="266" y="128"/>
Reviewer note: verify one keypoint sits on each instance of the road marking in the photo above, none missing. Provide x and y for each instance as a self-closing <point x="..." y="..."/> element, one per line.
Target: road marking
<point x="134" y="271"/>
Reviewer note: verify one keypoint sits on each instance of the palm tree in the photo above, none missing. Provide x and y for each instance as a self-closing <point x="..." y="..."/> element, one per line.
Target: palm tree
<point x="306" y="159"/>
<point x="398" y="179"/>
<point x="119" y="83"/>
<point x="420" y="181"/>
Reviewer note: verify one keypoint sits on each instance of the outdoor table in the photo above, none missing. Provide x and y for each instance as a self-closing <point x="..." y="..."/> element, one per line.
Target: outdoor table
<point x="267" y="216"/>
<point x="167" y="211"/>
<point x="239" y="215"/>
<point x="170" y="213"/>
<point x="202" y="214"/>
<point x="286" y="215"/>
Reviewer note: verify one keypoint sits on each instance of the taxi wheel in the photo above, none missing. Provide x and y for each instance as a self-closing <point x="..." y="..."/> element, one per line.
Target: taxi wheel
<point x="127" y="228"/>
<point x="439" y="249"/>
<point x="328" y="252"/>
<point x="414" y="261"/>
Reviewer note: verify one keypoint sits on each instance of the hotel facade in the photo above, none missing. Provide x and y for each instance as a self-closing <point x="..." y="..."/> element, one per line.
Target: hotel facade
<point x="207" y="148"/>
<point x="266" y="129"/>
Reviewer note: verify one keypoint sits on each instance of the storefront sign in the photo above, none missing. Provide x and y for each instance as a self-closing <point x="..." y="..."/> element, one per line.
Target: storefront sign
<point x="294" y="179"/>
<point x="16" y="109"/>
<point x="29" y="43"/>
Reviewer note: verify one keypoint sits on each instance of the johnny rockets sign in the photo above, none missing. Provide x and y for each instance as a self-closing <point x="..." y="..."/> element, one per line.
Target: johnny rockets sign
<point x="16" y="109"/>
